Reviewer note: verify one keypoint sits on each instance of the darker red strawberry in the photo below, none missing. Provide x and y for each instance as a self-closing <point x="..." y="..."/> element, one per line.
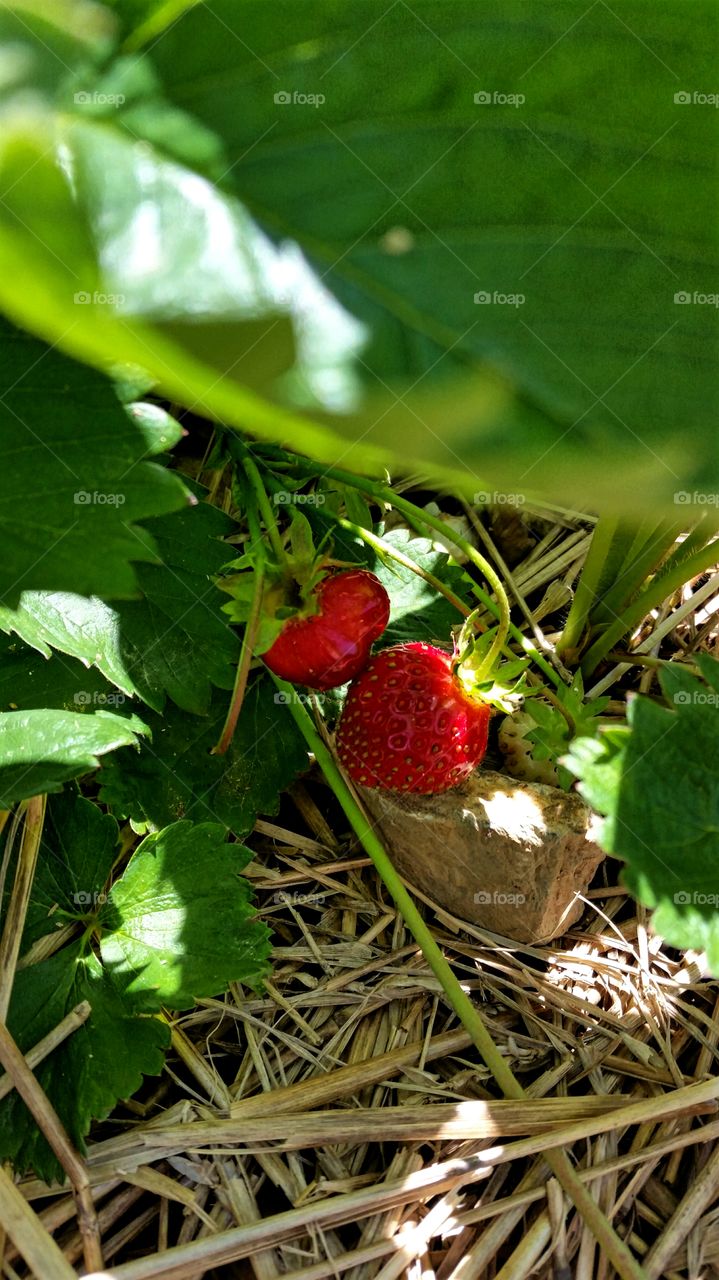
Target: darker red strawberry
<point x="409" y="725"/>
<point x="332" y="644"/>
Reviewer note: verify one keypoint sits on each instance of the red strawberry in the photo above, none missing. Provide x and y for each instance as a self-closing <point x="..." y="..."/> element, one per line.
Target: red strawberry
<point x="409" y="725"/>
<point x="331" y="645"/>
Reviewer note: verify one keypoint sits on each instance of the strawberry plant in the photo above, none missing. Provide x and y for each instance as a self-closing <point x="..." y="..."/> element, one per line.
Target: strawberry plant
<point x="269" y="368"/>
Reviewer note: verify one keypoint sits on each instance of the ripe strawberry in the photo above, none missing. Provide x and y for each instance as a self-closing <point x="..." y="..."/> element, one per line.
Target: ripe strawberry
<point x="409" y="725"/>
<point x="332" y="644"/>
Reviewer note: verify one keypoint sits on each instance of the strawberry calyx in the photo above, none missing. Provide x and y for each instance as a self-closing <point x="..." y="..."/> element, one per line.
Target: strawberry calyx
<point x="500" y="684"/>
<point x="289" y="583"/>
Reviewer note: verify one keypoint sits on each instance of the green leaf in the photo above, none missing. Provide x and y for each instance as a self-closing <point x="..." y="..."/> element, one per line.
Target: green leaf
<point x="174" y="640"/>
<point x="591" y="196"/>
<point x="179" y="921"/>
<point x="418" y="611"/>
<point x="105" y="1059"/>
<point x="657" y="786"/>
<point x="30" y="681"/>
<point x="77" y="852"/>
<point x="174" y="776"/>
<point x="120" y="254"/>
<point x="176" y="925"/>
<point x="73" y="484"/>
<point x="160" y="430"/>
<point x="40" y="750"/>
<point x="552" y="735"/>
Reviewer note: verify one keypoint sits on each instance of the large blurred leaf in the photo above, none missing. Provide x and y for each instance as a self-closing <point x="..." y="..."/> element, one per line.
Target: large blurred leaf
<point x="581" y="184"/>
<point x="594" y="198"/>
<point x="118" y="252"/>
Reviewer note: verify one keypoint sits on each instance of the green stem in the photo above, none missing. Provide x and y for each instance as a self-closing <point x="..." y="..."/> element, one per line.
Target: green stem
<point x="661" y="587"/>
<point x="243" y="666"/>
<point x="250" y="633"/>
<point x="384" y="548"/>
<point x="472" y="1021"/>
<point x="263" y="502"/>
<point x="459" y="1000"/>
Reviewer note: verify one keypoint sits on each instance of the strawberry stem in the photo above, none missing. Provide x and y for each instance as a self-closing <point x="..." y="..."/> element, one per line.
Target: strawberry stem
<point x="249" y="636"/>
<point x="253" y="475"/>
<point x="384" y="548"/>
<point x="616" y="1250"/>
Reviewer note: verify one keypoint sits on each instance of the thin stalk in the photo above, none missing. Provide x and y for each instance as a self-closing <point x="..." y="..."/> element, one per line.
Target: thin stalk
<point x="243" y="666"/>
<point x="384" y="548"/>
<point x="20" y="897"/>
<point x="663" y="586"/>
<point x="270" y="521"/>
<point x="53" y="1130"/>
<point x="250" y="633"/>
<point x="615" y="1249"/>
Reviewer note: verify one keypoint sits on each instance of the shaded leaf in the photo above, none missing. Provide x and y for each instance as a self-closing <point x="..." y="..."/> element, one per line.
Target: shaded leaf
<point x="104" y="1060"/>
<point x="175" y="776"/>
<point x="73" y="484"/>
<point x="174" y="640"/>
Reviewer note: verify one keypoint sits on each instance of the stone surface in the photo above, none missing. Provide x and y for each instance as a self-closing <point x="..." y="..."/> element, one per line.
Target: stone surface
<point x="508" y="856"/>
